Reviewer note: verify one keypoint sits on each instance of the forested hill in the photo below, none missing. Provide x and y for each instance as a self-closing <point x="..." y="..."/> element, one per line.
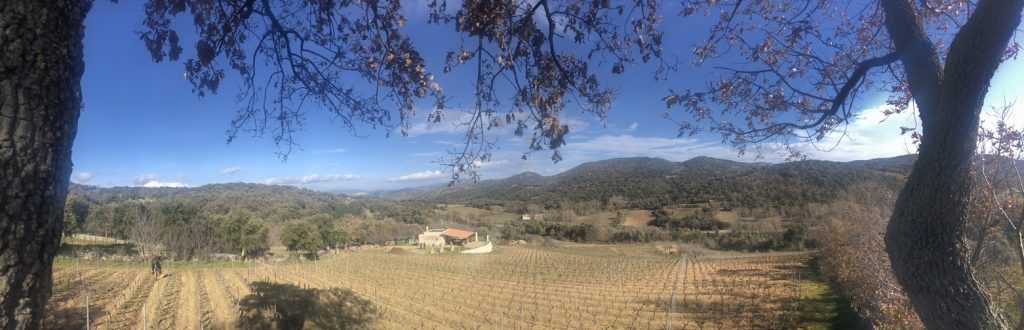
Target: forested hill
<point x="210" y="191"/>
<point x="649" y="182"/>
<point x="273" y="203"/>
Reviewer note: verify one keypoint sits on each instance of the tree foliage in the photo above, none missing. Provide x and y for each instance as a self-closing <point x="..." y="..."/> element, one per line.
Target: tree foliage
<point x="649" y="183"/>
<point x="291" y="53"/>
<point x="301" y="236"/>
<point x="805" y="64"/>
<point x="701" y="220"/>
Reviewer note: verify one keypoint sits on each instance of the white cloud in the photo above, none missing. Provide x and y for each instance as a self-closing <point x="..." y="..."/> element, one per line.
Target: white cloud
<point x="149" y="180"/>
<point x="575" y="125"/>
<point x="633" y="126"/>
<point x="158" y="184"/>
<point x="334" y="151"/>
<point x="144" y="178"/>
<point x="452" y="123"/>
<point x="489" y="164"/>
<point x="230" y="170"/>
<point x="449" y="123"/>
<point x="419" y="176"/>
<point x="870" y="135"/>
<point x="626" y="145"/>
<point x="312" y="178"/>
<point x="82" y="177"/>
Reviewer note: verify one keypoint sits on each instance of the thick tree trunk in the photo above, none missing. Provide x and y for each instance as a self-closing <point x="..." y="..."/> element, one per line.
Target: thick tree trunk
<point x="925" y="238"/>
<point x="926" y="235"/>
<point x="41" y="67"/>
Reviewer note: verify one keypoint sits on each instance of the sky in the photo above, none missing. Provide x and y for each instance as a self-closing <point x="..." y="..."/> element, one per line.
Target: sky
<point x="141" y="124"/>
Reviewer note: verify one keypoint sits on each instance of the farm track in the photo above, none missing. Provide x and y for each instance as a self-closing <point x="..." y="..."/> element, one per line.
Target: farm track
<point x="519" y="287"/>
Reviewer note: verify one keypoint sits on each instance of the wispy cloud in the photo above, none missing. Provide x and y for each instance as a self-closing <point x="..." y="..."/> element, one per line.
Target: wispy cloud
<point x="870" y="135"/>
<point x="334" y="151"/>
<point x="419" y="176"/>
<point x="449" y="123"/>
<point x="142" y="179"/>
<point x="312" y="178"/>
<point x="633" y="126"/>
<point x="490" y="164"/>
<point x="575" y="125"/>
<point x="82" y="177"/>
<point x="230" y="170"/>
<point x="627" y="145"/>
<point x="453" y="120"/>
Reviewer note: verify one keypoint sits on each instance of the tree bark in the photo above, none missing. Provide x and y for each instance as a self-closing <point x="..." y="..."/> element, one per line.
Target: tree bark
<point x="926" y="244"/>
<point x="41" y="65"/>
<point x="926" y="239"/>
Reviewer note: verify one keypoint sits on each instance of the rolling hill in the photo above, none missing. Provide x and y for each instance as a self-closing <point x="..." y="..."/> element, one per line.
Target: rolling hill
<point x="649" y="182"/>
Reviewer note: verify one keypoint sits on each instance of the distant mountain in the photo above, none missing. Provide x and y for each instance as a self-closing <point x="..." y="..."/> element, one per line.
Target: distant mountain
<point x="407" y="193"/>
<point x="235" y="189"/>
<point x="898" y="164"/>
<point x="648" y="182"/>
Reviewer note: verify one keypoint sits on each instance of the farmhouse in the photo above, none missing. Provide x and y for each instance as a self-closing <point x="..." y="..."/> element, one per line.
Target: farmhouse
<point x="441" y="237"/>
<point x="458" y="236"/>
<point x="431" y="238"/>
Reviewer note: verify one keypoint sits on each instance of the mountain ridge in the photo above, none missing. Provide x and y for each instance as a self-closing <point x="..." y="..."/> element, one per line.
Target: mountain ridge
<point x="660" y="181"/>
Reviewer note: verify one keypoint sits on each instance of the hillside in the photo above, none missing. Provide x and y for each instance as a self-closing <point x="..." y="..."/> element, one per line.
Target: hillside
<point x="112" y="209"/>
<point x="648" y="182"/>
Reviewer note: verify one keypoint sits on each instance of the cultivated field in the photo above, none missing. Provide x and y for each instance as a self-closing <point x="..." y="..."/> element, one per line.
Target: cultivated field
<point x="517" y="287"/>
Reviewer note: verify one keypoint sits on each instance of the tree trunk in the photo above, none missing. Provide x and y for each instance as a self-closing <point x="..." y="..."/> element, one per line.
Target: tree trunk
<point x="41" y="67"/>
<point x="925" y="238"/>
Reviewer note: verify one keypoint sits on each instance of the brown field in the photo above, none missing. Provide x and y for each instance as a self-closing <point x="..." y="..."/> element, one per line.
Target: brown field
<point x="637" y="218"/>
<point x="516" y="287"/>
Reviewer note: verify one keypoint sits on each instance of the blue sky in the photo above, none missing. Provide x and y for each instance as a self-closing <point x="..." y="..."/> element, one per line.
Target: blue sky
<point x="142" y="125"/>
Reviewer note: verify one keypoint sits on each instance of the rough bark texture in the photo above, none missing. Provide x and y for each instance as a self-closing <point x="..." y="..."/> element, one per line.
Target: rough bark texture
<point x="925" y="239"/>
<point x="41" y="67"/>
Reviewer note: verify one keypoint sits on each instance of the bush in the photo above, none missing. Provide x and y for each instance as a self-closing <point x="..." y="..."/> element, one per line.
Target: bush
<point x="853" y="255"/>
<point x="584" y="232"/>
<point x="636" y="235"/>
<point x="700" y="221"/>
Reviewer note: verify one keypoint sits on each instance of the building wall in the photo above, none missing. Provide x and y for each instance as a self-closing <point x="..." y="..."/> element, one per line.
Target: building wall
<point x="431" y="240"/>
<point x="487" y="248"/>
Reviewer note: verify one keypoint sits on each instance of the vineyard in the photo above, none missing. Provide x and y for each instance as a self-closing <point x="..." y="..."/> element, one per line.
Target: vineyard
<point x="517" y="287"/>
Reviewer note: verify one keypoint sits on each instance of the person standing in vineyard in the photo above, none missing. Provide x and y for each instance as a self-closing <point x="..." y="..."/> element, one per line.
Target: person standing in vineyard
<point x="154" y="265"/>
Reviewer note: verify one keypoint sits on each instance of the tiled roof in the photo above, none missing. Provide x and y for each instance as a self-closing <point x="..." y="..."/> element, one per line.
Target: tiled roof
<point x="458" y="233"/>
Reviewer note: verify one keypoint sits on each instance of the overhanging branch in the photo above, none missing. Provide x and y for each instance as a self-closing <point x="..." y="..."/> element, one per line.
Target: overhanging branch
<point x="837" y="102"/>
